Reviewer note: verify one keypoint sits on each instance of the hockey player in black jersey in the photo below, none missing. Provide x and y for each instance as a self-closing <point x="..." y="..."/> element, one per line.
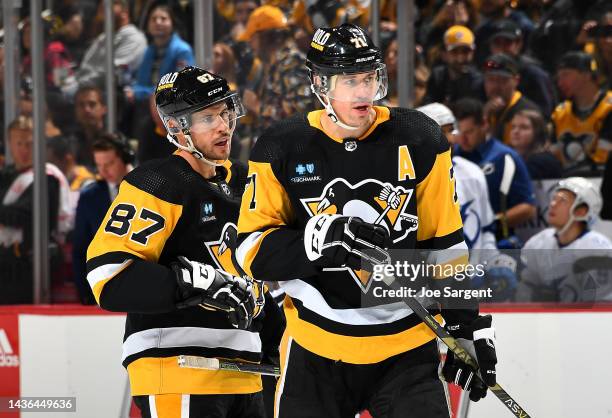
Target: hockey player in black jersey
<point x="323" y="189"/>
<point x="163" y="254"/>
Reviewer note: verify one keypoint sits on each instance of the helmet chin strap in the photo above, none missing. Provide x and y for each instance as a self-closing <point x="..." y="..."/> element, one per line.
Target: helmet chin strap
<point x="572" y="219"/>
<point x="190" y="148"/>
<point x="331" y="113"/>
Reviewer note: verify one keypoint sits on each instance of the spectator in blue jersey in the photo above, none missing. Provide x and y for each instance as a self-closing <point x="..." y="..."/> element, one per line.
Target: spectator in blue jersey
<point x="166" y="52"/>
<point x="496" y="161"/>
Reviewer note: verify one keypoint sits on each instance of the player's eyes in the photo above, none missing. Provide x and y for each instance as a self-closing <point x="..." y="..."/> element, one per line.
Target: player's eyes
<point x="207" y="120"/>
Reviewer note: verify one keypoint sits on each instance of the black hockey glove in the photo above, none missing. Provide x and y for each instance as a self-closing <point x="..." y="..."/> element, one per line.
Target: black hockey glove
<point x="335" y="240"/>
<point x="202" y="284"/>
<point x="478" y="338"/>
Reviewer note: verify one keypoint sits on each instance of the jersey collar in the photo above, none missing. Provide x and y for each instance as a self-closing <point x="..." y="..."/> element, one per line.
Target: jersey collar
<point x="382" y="115"/>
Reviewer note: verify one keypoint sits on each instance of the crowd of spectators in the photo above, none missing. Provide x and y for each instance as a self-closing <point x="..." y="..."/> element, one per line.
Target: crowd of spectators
<point x="526" y="78"/>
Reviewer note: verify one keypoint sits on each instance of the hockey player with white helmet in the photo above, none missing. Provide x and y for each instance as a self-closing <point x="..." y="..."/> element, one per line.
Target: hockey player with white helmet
<point x="477" y="215"/>
<point x="550" y="255"/>
<point x="476" y="212"/>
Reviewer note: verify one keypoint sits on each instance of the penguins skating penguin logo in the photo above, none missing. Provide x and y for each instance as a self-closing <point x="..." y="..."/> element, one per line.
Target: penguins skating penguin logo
<point x="371" y="200"/>
<point x="221" y="250"/>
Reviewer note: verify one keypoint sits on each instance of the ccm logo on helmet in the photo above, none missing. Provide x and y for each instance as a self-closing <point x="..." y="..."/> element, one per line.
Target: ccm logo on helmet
<point x="217" y="90"/>
<point x="319" y="39"/>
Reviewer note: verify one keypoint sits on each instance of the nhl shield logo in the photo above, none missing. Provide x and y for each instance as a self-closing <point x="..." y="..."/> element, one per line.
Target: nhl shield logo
<point x="350" y="145"/>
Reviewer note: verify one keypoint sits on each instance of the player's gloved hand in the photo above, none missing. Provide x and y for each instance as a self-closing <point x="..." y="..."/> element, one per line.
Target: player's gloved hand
<point x="511" y="243"/>
<point x="478" y="338"/>
<point x="501" y="277"/>
<point x="336" y="240"/>
<point x="202" y="284"/>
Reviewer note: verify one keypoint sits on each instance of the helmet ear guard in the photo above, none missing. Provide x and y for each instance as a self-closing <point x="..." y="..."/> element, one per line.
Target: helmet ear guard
<point x="585" y="194"/>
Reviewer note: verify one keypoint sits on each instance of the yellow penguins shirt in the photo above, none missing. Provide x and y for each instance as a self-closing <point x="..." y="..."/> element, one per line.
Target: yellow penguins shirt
<point x="297" y="171"/>
<point x="164" y="209"/>
<point x="502" y="124"/>
<point x="580" y="137"/>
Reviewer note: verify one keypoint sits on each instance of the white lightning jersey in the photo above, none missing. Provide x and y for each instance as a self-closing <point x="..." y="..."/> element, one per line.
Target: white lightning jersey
<point x="548" y="269"/>
<point x="476" y="212"/>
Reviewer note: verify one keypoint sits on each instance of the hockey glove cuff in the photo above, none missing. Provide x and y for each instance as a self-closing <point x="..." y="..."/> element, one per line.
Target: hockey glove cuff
<point x="203" y="285"/>
<point x="478" y="338"/>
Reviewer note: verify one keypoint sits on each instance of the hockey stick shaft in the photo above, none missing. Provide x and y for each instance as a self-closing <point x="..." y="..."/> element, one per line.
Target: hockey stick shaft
<point x="462" y="354"/>
<point x="206" y="363"/>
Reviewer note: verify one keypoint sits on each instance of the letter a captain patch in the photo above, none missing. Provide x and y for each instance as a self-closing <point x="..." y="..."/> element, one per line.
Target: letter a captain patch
<point x="405" y="168"/>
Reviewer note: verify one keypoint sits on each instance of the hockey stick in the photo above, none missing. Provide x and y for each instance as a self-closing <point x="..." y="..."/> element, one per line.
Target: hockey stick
<point x="206" y="363"/>
<point x="458" y="350"/>
<point x="504" y="188"/>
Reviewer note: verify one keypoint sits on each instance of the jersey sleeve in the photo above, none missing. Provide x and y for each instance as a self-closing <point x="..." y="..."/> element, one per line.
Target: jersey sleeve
<point x="441" y="230"/>
<point x="521" y="190"/>
<point x="440" y="225"/>
<point x="122" y="267"/>
<point x="270" y="247"/>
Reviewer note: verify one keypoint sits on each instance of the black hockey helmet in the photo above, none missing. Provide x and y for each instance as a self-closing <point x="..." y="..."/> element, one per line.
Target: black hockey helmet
<point x="343" y="49"/>
<point x="190" y="90"/>
<point x="180" y="94"/>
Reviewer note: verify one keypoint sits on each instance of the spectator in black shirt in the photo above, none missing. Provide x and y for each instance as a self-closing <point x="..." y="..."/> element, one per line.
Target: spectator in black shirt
<point x="529" y="137"/>
<point x="602" y="34"/>
<point x="501" y="79"/>
<point x="493" y="11"/>
<point x="535" y="83"/>
<point x="152" y="141"/>
<point x="457" y="78"/>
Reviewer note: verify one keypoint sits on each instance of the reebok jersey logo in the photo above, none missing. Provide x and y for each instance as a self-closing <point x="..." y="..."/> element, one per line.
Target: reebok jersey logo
<point x="7" y="358"/>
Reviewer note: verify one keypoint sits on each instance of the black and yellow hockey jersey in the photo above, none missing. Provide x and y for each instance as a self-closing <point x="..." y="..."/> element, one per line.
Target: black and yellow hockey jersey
<point x="584" y="136"/>
<point x="164" y="209"/>
<point x="297" y="171"/>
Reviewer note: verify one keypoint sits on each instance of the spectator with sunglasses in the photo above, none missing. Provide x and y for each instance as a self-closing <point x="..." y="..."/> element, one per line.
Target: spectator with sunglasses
<point x="535" y="83"/>
<point x="501" y="80"/>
